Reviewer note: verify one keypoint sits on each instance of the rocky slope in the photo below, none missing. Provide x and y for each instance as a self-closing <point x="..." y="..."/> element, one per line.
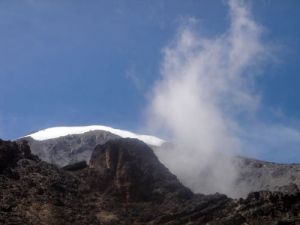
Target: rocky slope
<point x="258" y="175"/>
<point x="124" y="184"/>
<point x="254" y="175"/>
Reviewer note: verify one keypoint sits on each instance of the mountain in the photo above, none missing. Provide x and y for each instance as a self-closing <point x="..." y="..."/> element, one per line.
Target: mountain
<point x="124" y="183"/>
<point x="66" y="145"/>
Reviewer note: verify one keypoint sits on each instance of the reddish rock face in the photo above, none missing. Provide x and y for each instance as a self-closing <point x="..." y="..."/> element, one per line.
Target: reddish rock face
<point x="133" y="170"/>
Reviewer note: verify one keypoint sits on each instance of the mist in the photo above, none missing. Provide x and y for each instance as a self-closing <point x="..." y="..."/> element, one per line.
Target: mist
<point x="207" y="87"/>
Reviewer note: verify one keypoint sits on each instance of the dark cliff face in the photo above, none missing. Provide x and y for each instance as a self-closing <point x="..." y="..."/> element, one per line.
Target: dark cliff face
<point x="124" y="184"/>
<point x="132" y="169"/>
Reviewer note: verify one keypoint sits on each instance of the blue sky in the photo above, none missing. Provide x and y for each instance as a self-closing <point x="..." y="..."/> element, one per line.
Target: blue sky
<point x="75" y="62"/>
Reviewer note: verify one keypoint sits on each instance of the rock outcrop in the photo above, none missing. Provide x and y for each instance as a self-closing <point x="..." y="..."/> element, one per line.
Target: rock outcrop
<point x="131" y="168"/>
<point x="124" y="184"/>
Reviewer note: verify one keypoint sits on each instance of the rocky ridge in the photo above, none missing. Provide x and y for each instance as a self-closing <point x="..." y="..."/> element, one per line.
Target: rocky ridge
<point x="254" y="175"/>
<point x="124" y="184"/>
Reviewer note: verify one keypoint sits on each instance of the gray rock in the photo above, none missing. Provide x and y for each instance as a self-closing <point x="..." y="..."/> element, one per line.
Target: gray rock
<point x="69" y="149"/>
<point x="256" y="175"/>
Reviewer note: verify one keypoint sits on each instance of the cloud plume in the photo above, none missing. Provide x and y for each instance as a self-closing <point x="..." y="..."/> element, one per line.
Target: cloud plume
<point x="206" y="88"/>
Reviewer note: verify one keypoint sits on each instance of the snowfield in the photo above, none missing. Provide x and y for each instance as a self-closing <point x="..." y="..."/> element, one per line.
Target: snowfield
<point x="56" y="132"/>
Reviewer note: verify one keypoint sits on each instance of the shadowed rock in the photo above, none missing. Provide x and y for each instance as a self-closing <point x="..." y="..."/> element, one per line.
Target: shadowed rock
<point x="76" y="166"/>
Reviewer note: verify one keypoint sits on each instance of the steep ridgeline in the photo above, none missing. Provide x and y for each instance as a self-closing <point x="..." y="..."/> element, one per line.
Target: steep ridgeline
<point x="66" y="145"/>
<point x="123" y="184"/>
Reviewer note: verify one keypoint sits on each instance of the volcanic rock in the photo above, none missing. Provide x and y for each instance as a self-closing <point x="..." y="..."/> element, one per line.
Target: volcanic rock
<point x="124" y="184"/>
<point x="132" y="169"/>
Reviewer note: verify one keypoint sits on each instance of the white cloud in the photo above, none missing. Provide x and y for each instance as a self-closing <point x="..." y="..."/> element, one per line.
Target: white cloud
<point x="207" y="85"/>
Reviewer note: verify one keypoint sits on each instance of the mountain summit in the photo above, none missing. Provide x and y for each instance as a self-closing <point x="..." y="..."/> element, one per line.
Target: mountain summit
<point x="65" y="145"/>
